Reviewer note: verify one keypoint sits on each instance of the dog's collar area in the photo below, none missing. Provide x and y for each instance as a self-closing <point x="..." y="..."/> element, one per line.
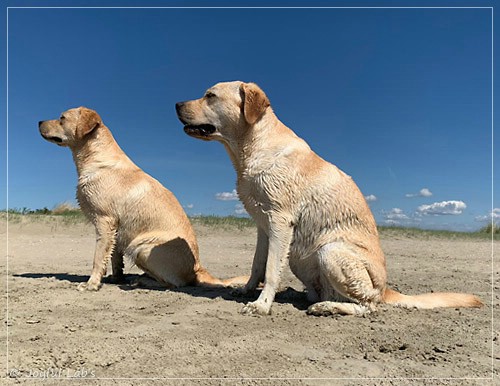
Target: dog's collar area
<point x="200" y="130"/>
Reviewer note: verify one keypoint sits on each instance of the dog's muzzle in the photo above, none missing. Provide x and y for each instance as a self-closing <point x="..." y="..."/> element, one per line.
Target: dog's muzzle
<point x="50" y="138"/>
<point x="200" y="131"/>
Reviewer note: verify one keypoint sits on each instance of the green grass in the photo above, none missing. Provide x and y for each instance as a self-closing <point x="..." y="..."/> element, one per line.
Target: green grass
<point x="482" y="234"/>
<point x="63" y="209"/>
<point x="224" y="222"/>
<point x="68" y="215"/>
<point x="72" y="215"/>
<point x="491" y="228"/>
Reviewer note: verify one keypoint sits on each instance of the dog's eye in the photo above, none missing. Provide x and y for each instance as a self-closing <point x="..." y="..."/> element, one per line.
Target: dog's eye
<point x="209" y="95"/>
<point x="62" y="117"/>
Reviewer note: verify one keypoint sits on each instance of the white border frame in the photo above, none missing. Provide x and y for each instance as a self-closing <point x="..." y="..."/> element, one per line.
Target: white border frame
<point x="8" y="370"/>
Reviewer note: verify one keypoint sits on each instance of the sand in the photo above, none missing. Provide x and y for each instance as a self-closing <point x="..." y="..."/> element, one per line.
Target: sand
<point x="131" y="336"/>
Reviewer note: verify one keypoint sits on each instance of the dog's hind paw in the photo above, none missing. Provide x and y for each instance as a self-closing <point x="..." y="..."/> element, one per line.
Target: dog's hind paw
<point x="147" y="282"/>
<point x="327" y="308"/>
<point x="320" y="309"/>
<point x="241" y="291"/>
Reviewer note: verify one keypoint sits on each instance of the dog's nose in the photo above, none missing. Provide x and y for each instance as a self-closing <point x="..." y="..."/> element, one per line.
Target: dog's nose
<point x="178" y="106"/>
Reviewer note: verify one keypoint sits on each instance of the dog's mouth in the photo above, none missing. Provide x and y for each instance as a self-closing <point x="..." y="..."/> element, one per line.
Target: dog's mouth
<point x="54" y="139"/>
<point x="203" y="131"/>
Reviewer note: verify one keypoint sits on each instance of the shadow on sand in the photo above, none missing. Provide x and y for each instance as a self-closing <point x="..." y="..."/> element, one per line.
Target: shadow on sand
<point x="287" y="296"/>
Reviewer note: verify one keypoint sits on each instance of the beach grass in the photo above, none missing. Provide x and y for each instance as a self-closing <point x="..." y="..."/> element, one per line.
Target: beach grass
<point x="69" y="214"/>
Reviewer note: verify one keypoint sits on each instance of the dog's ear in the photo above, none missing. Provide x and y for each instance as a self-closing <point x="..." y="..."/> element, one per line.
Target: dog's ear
<point x="89" y="121"/>
<point x="255" y="102"/>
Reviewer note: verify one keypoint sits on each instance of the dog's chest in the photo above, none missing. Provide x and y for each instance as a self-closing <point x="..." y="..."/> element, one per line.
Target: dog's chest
<point x="256" y="206"/>
<point x="93" y="194"/>
<point x="262" y="193"/>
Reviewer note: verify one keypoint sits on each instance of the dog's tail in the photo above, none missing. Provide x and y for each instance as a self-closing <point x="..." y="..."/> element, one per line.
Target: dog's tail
<point x="431" y="300"/>
<point x="205" y="279"/>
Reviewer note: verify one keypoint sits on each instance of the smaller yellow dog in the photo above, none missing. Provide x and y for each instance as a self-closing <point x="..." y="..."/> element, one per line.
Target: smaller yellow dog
<point x="133" y="214"/>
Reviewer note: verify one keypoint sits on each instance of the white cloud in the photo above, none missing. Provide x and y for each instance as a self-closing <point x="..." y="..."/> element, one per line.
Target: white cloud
<point x="370" y="198"/>
<point x="240" y="210"/>
<point x="493" y="215"/>
<point x="442" y="208"/>
<point x="396" y="214"/>
<point x="227" y="196"/>
<point x="189" y="206"/>
<point x="424" y="192"/>
<point x="397" y="217"/>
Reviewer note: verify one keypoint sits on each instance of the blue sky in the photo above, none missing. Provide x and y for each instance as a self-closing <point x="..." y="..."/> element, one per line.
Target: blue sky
<point x="400" y="99"/>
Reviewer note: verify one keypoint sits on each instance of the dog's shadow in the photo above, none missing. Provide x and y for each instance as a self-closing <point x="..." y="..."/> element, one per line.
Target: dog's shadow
<point x="58" y="276"/>
<point x="286" y="296"/>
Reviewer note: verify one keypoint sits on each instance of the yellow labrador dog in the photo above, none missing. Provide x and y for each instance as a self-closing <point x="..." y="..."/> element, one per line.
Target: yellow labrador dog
<point x="306" y="209"/>
<point x="133" y="214"/>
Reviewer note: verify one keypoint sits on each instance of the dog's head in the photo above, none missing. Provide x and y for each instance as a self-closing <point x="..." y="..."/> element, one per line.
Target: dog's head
<point x="71" y="128"/>
<point x="225" y="112"/>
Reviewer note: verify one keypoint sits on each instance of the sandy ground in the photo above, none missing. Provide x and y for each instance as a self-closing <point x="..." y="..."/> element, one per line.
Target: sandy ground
<point x="189" y="335"/>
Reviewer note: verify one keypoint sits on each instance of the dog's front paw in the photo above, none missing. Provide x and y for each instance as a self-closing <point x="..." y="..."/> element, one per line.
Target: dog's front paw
<point x="89" y="286"/>
<point x="255" y="308"/>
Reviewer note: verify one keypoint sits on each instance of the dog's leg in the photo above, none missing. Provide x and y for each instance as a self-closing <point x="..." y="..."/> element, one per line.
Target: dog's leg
<point x="117" y="265"/>
<point x="306" y="269"/>
<point x="106" y="235"/>
<point x="280" y="237"/>
<point x="352" y="290"/>
<point x="258" y="265"/>
<point x="160" y="259"/>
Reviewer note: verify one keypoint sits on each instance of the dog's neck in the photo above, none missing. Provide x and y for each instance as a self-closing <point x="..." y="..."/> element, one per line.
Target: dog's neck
<point x="99" y="150"/>
<point x="264" y="141"/>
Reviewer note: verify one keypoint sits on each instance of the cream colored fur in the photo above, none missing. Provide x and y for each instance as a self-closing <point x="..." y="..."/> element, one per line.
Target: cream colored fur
<point x="306" y="209"/>
<point x="133" y="214"/>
